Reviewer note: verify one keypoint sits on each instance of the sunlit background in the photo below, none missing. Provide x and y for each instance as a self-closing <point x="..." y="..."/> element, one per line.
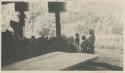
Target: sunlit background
<point x="104" y="16"/>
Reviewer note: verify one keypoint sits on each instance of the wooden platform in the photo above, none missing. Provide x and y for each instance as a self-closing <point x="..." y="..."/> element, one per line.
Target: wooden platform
<point x="51" y="61"/>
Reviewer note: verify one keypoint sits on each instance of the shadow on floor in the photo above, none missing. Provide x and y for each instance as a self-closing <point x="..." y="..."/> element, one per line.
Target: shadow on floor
<point x="95" y="66"/>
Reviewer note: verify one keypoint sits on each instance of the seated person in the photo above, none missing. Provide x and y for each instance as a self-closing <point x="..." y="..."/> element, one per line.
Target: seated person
<point x="91" y="42"/>
<point x="77" y="39"/>
<point x="84" y="45"/>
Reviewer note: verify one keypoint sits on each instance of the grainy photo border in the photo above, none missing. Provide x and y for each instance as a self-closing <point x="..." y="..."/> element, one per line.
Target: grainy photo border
<point x="65" y="71"/>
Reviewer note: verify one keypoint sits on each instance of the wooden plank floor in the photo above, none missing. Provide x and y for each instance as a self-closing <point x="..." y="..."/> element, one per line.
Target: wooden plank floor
<point x="51" y="61"/>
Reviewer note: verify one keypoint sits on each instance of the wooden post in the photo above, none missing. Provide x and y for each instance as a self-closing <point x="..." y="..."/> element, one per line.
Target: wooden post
<point x="57" y="7"/>
<point x="58" y="25"/>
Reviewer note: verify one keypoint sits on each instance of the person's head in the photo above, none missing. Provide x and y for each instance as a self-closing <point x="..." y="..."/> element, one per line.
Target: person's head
<point x="33" y="37"/>
<point x="7" y="30"/>
<point x="83" y="37"/>
<point x="43" y="36"/>
<point x="77" y="34"/>
<point x="91" y="31"/>
<point x="12" y="24"/>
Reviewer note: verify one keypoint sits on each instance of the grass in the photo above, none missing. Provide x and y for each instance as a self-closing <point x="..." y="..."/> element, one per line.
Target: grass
<point x="110" y="49"/>
<point x="109" y="42"/>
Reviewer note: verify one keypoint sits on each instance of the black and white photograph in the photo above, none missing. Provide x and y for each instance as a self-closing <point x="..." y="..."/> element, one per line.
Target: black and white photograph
<point x="62" y="35"/>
